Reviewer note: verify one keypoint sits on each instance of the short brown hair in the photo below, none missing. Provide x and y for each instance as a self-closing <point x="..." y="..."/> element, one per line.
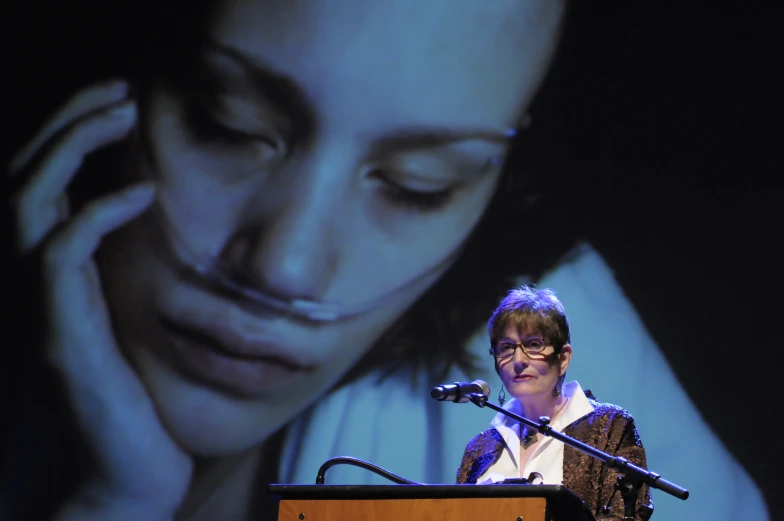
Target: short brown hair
<point x="531" y="309"/>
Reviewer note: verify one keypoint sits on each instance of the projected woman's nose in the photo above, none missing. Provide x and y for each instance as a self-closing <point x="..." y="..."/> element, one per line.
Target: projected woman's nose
<point x="282" y="264"/>
<point x="286" y="259"/>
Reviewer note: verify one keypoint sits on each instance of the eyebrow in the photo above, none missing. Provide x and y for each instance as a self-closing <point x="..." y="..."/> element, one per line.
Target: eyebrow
<point x="284" y="93"/>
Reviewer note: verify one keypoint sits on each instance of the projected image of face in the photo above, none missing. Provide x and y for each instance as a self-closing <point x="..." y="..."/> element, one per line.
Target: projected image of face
<point x="319" y="151"/>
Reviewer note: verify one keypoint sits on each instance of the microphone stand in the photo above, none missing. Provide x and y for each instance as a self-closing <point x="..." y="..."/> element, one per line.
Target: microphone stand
<point x="629" y="482"/>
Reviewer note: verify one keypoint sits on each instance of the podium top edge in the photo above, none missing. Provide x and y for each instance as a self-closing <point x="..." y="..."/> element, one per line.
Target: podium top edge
<point x="550" y="492"/>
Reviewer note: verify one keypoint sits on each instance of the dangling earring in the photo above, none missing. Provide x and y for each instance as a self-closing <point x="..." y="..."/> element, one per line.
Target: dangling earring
<point x="558" y="386"/>
<point x="502" y="395"/>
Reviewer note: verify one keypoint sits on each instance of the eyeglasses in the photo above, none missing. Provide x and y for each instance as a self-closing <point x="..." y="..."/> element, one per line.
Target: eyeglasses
<point x="533" y="348"/>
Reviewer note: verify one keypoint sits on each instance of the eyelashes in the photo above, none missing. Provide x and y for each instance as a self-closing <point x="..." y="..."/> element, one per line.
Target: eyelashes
<point x="206" y="127"/>
<point x="409" y="198"/>
<point x="419" y="201"/>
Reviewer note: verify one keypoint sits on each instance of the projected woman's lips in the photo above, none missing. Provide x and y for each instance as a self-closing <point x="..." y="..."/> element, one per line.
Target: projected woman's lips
<point x="237" y="361"/>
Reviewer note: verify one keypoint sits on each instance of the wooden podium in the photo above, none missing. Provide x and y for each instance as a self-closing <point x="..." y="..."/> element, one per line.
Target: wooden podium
<point x="428" y="503"/>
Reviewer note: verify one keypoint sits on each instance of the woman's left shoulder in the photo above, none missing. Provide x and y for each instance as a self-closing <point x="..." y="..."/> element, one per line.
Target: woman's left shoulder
<point x="606" y="411"/>
<point x="608" y="422"/>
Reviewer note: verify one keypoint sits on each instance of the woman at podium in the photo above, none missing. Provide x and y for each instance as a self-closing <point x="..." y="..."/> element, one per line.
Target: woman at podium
<point x="529" y="339"/>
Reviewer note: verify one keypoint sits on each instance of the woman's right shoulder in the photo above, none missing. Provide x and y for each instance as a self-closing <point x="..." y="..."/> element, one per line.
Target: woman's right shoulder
<point x="486" y="441"/>
<point x="479" y="454"/>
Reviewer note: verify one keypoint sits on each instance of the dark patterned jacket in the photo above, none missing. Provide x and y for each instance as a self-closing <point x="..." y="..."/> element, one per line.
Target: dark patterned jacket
<point x="609" y="428"/>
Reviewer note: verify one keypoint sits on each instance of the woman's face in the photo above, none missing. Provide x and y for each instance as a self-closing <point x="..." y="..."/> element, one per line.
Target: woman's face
<point x="531" y="377"/>
<point x="327" y="151"/>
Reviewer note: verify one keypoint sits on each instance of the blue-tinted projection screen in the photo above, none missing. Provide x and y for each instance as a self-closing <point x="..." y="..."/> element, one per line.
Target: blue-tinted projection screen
<point x="253" y="235"/>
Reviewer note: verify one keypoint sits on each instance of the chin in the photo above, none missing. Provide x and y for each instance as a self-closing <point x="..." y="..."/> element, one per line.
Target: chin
<point x="524" y="390"/>
<point x="205" y="421"/>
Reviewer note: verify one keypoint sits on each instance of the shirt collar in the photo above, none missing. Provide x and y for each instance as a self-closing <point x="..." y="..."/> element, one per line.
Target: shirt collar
<point x="577" y="407"/>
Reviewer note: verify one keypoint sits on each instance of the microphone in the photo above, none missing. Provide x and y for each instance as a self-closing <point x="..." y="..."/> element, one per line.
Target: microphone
<point x="458" y="392"/>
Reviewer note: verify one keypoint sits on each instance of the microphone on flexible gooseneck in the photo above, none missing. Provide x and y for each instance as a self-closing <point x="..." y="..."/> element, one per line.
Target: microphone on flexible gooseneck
<point x="459" y="392"/>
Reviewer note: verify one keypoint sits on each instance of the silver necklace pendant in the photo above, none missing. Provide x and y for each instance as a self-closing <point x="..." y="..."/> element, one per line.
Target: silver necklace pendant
<point x="529" y="438"/>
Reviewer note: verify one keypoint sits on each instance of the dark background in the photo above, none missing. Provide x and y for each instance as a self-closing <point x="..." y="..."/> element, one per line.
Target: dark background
<point x="691" y="224"/>
<point x="686" y="211"/>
